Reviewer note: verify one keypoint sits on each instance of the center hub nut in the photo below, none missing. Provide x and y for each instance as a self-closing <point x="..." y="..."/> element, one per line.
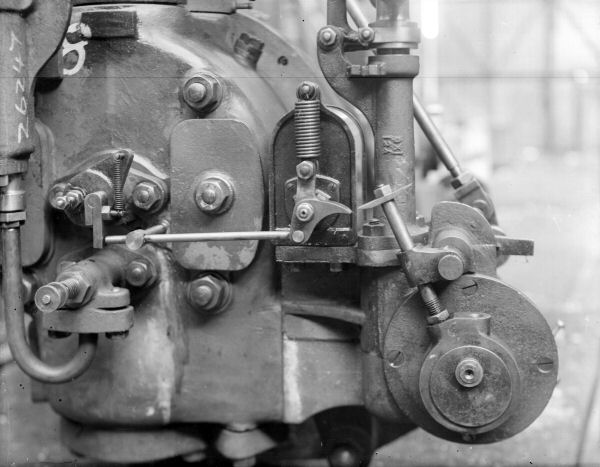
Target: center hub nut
<point x="469" y="373"/>
<point x="214" y="194"/>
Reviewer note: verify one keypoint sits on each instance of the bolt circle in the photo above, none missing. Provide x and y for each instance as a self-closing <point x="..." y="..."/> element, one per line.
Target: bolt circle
<point x="469" y="373"/>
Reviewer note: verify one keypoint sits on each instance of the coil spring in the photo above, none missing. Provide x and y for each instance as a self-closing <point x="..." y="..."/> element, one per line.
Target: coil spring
<point x="117" y="180"/>
<point x="307" y="116"/>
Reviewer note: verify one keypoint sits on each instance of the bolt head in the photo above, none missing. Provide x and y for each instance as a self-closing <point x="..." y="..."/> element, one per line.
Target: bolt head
<point x="383" y="190"/>
<point x="298" y="236"/>
<point x="139" y="273"/>
<point x="209" y="293"/>
<point x="214" y="194"/>
<point x="327" y="37"/>
<point x="305" y="212"/>
<point x="147" y="196"/>
<point x="308" y="91"/>
<point x="203" y="92"/>
<point x="60" y="203"/>
<point x="196" y="92"/>
<point x="305" y="170"/>
<point x="367" y="34"/>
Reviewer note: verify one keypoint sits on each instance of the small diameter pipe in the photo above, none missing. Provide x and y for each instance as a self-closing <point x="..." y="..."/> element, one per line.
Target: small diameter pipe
<point x="435" y="138"/>
<point x="15" y="323"/>
<point x="356" y="13"/>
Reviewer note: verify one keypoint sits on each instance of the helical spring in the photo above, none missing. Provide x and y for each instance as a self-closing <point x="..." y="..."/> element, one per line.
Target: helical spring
<point x="117" y="181"/>
<point x="307" y="117"/>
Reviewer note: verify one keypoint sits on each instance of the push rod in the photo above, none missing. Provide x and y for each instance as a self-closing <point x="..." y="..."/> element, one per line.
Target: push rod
<point x="15" y="322"/>
<point x="202" y="237"/>
<point x="435" y="138"/>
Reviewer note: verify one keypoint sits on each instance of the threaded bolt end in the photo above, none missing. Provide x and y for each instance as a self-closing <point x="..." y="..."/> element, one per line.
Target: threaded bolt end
<point x="431" y="300"/>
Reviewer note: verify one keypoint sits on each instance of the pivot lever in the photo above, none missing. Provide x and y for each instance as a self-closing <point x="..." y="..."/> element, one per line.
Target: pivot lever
<point x="385" y="198"/>
<point x="311" y="206"/>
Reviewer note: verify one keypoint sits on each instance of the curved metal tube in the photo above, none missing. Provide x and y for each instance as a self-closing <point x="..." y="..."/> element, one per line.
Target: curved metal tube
<point x="15" y="323"/>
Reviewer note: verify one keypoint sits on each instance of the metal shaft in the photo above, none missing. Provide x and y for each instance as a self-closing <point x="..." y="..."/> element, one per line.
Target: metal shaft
<point x="15" y="322"/>
<point x="435" y="138"/>
<point x="202" y="237"/>
<point x="356" y="13"/>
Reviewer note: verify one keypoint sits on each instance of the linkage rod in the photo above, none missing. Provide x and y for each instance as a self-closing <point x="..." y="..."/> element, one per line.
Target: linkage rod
<point x="356" y="13"/>
<point x="202" y="237"/>
<point x="435" y="138"/>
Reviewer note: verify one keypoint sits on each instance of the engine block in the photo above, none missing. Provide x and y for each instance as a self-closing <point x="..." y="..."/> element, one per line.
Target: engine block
<point x="222" y="252"/>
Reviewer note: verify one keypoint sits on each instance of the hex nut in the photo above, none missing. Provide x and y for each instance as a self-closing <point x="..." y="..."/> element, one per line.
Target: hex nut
<point x="203" y="92"/>
<point x="139" y="273"/>
<point x="85" y="287"/>
<point x="327" y="37"/>
<point x="210" y="293"/>
<point x="147" y="196"/>
<point x="214" y="194"/>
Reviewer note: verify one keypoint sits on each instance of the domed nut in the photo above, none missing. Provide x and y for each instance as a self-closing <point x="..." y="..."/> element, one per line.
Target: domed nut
<point x="214" y="194"/>
<point x="203" y="92"/>
<point x="210" y="293"/>
<point x="140" y="273"/>
<point x="148" y="196"/>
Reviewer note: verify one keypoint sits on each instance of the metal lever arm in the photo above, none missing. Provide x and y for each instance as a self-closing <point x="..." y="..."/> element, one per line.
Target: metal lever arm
<point x="385" y="198"/>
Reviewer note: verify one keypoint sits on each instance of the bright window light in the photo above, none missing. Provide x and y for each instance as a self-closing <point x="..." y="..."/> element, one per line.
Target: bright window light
<point x="430" y="18"/>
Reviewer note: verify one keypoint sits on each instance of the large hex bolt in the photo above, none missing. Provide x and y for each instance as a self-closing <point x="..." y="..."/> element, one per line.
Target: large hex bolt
<point x="148" y="196"/>
<point x="203" y="92"/>
<point x="214" y="194"/>
<point x="210" y="293"/>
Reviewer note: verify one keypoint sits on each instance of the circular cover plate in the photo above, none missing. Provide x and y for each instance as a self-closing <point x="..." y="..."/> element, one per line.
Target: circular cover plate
<point x="515" y="322"/>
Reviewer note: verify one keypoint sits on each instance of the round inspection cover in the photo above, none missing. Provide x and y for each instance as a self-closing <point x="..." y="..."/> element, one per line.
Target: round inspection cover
<point x="515" y="323"/>
<point x="470" y="406"/>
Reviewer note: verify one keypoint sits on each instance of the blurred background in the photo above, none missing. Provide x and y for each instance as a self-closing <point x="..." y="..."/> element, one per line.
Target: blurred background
<point x="515" y="87"/>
